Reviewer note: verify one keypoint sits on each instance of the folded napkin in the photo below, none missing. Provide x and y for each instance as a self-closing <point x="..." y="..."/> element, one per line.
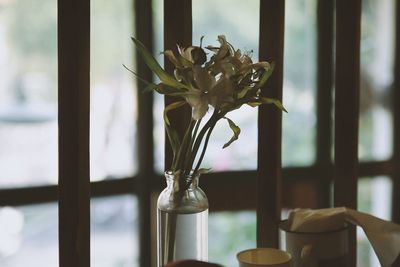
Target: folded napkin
<point x="384" y="236"/>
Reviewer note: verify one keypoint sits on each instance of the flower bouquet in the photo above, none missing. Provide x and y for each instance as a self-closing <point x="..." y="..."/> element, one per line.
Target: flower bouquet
<point x="213" y="81"/>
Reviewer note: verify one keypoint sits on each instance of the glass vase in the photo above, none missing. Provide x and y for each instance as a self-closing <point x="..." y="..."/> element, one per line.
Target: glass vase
<point x="182" y="220"/>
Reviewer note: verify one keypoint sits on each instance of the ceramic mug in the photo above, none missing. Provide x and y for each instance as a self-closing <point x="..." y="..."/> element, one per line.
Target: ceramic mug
<point x="264" y="257"/>
<point x="317" y="249"/>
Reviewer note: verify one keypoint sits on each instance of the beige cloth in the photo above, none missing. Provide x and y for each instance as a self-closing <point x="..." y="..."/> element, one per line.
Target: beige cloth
<point x="384" y="236"/>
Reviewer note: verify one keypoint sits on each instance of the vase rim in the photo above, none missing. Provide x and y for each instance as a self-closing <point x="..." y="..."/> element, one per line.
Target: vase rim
<point x="190" y="174"/>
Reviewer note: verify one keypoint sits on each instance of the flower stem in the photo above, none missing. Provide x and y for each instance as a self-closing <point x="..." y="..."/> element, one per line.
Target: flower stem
<point x="204" y="147"/>
<point x="178" y="162"/>
<point x="212" y="121"/>
<point x="188" y="168"/>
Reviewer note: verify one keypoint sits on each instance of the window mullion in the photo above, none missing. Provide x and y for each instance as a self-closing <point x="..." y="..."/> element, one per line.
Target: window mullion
<point x="396" y="122"/>
<point x="145" y="143"/>
<point x="270" y="126"/>
<point x="324" y="97"/>
<point x="73" y="118"/>
<point x="347" y="80"/>
<point x="177" y="30"/>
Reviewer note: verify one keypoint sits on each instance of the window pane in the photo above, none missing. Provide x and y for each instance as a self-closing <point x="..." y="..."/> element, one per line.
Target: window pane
<point x="28" y="92"/>
<point x="229" y="233"/>
<point x="114" y="240"/>
<point x="374" y="197"/>
<point x="29" y="236"/>
<point x="113" y="101"/>
<point x="298" y="146"/>
<point x="377" y="47"/>
<point x="158" y="132"/>
<point x="239" y="22"/>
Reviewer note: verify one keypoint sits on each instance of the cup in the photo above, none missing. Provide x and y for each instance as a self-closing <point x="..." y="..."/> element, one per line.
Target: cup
<point x="264" y="257"/>
<point x="317" y="249"/>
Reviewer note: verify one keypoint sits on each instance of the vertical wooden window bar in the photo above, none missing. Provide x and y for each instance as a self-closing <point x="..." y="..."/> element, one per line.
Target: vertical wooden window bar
<point x="145" y="143"/>
<point x="177" y="30"/>
<point x="73" y="118"/>
<point x="325" y="20"/>
<point x="348" y="20"/>
<point x="396" y="122"/>
<point x="272" y="17"/>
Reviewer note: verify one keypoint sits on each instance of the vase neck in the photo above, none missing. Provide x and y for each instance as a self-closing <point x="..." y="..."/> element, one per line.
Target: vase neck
<point x="173" y="180"/>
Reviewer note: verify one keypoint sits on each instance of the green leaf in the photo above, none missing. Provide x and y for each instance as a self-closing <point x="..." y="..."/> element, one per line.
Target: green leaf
<point x="266" y="100"/>
<point x="150" y="87"/>
<point x="203" y="170"/>
<point x="168" y="90"/>
<point x="164" y="89"/>
<point x="170" y="107"/>
<point x="254" y="104"/>
<point x="276" y="102"/>
<point x="236" y="132"/>
<point x="155" y="67"/>
<point x="136" y="75"/>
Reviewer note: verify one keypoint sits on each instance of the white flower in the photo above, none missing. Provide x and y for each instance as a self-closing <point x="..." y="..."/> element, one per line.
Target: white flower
<point x="198" y="98"/>
<point x="187" y="53"/>
<point x="209" y="91"/>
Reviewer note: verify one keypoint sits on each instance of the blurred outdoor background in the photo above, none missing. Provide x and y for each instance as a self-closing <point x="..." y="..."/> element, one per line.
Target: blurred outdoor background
<point x="28" y="120"/>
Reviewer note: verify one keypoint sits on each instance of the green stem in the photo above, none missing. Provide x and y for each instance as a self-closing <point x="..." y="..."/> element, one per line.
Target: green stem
<point x="177" y="164"/>
<point x="169" y="250"/>
<point x="189" y="150"/>
<point x="204" y="147"/>
<point x="214" y="118"/>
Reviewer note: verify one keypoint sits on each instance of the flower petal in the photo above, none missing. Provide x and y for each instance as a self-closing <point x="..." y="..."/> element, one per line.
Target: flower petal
<point x="199" y="103"/>
<point x="204" y="80"/>
<point x="171" y="57"/>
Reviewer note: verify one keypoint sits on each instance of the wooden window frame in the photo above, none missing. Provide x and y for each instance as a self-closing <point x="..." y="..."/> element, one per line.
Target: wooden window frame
<point x="74" y="190"/>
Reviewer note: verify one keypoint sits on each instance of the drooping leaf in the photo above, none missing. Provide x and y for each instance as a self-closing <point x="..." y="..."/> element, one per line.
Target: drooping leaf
<point x="170" y="107"/>
<point x="254" y="104"/>
<point x="155" y="67"/>
<point x="276" y="102"/>
<point x="266" y="100"/>
<point x="236" y="132"/>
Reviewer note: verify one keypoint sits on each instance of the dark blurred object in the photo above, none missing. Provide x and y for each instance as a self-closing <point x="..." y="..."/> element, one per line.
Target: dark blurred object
<point x="191" y="263"/>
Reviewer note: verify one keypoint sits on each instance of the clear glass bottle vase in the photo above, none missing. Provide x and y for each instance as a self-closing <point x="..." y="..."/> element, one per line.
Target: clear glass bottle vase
<point x="182" y="220"/>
